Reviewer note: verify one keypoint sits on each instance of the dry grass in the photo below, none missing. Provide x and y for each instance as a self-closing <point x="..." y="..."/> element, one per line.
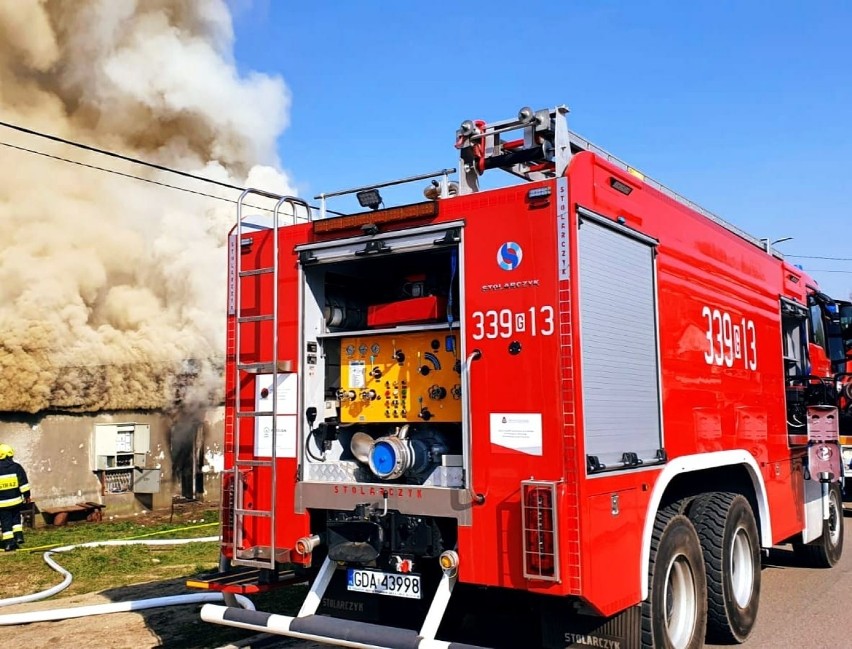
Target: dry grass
<point x="24" y="572"/>
<point x="124" y="573"/>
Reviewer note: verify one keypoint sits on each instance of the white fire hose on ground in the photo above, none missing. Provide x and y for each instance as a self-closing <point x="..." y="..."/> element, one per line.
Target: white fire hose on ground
<point x="115" y="607"/>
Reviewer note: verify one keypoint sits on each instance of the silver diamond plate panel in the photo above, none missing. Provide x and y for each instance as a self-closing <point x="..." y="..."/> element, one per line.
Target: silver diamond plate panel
<point x="445" y="476"/>
<point x="331" y="472"/>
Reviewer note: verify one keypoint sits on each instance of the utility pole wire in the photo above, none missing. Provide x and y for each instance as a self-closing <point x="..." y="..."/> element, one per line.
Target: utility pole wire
<point x="112" y="154"/>
<point x="144" y="163"/>
<point x="823" y="270"/>
<point x="816" y="257"/>
<point x="125" y="175"/>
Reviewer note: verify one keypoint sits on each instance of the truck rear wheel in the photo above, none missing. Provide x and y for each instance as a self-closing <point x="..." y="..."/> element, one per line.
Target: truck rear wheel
<point x="675" y="614"/>
<point x="826" y="550"/>
<point x="729" y="539"/>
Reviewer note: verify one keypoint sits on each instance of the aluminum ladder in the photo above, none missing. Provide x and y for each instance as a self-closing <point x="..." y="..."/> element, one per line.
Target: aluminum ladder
<point x="243" y="468"/>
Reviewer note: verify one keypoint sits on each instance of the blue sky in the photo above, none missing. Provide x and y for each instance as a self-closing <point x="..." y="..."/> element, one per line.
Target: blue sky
<point x="743" y="107"/>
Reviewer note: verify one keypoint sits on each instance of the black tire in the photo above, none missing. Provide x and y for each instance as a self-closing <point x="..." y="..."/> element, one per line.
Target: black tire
<point x="825" y="552"/>
<point x="675" y="614"/>
<point x="729" y="540"/>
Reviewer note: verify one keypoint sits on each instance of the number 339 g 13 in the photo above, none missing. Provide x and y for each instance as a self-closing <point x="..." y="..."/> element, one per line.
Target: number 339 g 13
<point x="729" y="341"/>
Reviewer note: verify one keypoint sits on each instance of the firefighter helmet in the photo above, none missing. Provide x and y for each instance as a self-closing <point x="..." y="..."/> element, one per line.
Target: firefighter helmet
<point x="6" y="451"/>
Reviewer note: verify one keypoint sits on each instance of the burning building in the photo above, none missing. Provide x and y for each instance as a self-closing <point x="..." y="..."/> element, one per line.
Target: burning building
<point x="111" y="287"/>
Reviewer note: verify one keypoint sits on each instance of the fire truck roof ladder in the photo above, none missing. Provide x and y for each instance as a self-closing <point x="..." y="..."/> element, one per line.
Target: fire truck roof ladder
<point x="273" y="366"/>
<point x="544" y="151"/>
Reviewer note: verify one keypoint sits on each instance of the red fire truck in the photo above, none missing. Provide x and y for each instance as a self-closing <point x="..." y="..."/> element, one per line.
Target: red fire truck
<point x="565" y="412"/>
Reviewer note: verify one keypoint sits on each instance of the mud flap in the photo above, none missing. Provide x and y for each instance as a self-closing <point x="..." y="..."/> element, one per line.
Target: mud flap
<point x="562" y="626"/>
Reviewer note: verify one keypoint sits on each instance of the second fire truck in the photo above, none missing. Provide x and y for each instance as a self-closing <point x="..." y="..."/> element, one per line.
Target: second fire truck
<point x="565" y="412"/>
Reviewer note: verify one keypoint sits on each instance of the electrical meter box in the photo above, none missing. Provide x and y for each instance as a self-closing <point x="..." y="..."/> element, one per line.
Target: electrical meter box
<point x="146" y="481"/>
<point x="121" y="446"/>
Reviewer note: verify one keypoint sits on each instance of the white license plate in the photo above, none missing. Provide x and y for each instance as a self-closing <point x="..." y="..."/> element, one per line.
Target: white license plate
<point x="383" y="583"/>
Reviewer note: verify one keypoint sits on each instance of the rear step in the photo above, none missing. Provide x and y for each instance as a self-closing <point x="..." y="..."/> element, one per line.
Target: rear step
<point x="245" y="581"/>
<point x="307" y="625"/>
<point x="320" y="628"/>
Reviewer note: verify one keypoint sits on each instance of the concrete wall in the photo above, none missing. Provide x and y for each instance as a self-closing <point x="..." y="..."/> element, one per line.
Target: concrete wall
<point x="57" y="451"/>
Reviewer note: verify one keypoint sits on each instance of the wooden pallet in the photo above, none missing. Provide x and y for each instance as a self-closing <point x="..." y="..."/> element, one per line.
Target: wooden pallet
<point x="59" y="516"/>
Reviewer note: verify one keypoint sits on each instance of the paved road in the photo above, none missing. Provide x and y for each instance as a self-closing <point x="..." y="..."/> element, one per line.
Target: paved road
<point x="799" y="607"/>
<point x="804" y="607"/>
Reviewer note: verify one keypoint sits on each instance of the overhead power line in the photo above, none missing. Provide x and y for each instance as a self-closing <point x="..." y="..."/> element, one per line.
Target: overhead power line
<point x="144" y="163"/>
<point x="823" y="270"/>
<point x="125" y="175"/>
<point x="817" y="257"/>
<point x="118" y="156"/>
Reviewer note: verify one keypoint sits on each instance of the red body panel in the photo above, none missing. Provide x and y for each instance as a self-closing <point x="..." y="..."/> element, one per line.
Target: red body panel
<point x="705" y="407"/>
<point x="417" y="309"/>
<point x="256" y="294"/>
<point x="530" y="368"/>
<point x="528" y="382"/>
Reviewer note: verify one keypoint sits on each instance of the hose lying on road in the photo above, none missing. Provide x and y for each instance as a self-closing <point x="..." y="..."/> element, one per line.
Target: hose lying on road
<point x="115" y="607"/>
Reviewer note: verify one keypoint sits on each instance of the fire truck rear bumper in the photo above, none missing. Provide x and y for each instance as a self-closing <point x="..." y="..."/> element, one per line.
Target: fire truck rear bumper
<point x="244" y="581"/>
<point x="320" y="628"/>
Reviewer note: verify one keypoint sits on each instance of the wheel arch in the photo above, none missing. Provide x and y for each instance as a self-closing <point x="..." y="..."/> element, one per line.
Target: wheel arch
<point x="689" y="475"/>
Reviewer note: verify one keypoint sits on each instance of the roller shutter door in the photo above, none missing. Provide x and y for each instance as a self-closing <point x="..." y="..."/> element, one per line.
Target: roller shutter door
<point x="618" y="328"/>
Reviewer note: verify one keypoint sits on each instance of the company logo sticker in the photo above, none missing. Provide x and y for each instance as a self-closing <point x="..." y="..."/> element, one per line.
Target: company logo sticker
<point x="509" y="256"/>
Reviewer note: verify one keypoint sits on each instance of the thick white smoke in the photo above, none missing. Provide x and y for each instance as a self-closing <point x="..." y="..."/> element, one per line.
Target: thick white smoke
<point x="108" y="286"/>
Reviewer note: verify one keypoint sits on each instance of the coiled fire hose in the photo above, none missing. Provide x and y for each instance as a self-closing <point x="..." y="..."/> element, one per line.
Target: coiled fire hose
<point x="114" y="607"/>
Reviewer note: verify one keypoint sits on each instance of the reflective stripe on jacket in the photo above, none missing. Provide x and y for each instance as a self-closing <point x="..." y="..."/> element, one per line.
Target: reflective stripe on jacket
<point x="14" y="485"/>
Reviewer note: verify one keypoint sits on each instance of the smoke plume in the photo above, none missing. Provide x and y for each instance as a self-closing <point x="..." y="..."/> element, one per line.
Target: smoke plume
<point x="112" y="291"/>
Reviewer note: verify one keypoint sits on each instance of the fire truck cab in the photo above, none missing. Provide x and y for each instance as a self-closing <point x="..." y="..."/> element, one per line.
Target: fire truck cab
<point x="571" y="410"/>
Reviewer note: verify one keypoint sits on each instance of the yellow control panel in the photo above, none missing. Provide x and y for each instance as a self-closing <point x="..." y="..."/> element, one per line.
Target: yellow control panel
<point x="404" y="378"/>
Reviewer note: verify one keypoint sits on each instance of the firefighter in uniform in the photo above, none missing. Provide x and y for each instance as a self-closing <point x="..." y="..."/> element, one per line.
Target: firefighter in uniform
<point x="14" y="492"/>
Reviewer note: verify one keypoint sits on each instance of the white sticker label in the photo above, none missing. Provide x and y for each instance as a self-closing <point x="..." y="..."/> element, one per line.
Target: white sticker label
<point x="283" y="401"/>
<point x="285" y="436"/>
<point x="517" y="431"/>
<point x="357" y="374"/>
<point x="284" y="397"/>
